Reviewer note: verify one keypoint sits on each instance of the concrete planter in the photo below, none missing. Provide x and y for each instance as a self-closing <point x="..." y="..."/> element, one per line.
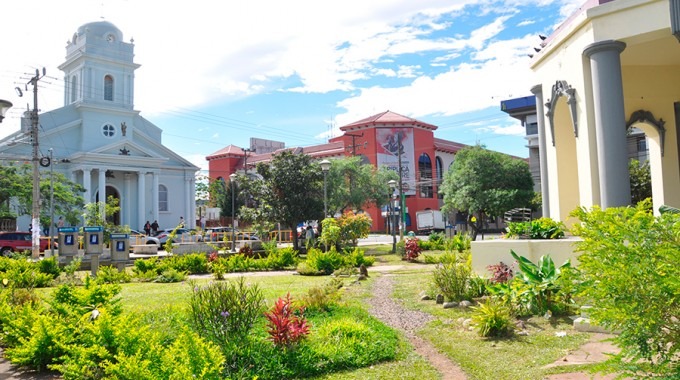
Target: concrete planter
<point x="490" y="252"/>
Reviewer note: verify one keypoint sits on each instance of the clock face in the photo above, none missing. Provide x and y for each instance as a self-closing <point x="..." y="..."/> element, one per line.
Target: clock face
<point x="44" y="161"/>
<point x="110" y="38"/>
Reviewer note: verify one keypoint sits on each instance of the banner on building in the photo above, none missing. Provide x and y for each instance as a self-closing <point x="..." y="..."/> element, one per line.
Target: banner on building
<point x="388" y="154"/>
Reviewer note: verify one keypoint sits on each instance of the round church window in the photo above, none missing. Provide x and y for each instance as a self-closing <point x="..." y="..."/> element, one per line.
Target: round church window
<point x="108" y="130"/>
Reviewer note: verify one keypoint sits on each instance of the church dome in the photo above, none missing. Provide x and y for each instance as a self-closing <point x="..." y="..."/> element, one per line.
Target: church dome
<point x="102" y="29"/>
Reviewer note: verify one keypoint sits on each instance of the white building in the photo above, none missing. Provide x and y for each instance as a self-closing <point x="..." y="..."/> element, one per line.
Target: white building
<point x="102" y="142"/>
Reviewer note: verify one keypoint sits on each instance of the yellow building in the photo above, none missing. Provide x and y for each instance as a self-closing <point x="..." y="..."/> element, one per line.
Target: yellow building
<point x="611" y="66"/>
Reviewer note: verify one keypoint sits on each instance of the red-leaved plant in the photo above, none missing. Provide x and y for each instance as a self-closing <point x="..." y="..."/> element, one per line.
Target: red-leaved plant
<point x="411" y="249"/>
<point x="500" y="273"/>
<point x="286" y="324"/>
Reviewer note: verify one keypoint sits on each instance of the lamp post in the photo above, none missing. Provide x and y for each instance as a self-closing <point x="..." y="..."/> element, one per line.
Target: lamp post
<point x="4" y="106"/>
<point x="325" y="167"/>
<point x="232" y="179"/>
<point x="393" y="185"/>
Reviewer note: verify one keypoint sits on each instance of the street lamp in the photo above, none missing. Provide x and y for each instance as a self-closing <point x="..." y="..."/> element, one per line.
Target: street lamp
<point x="325" y="166"/>
<point x="393" y="186"/>
<point x="232" y="179"/>
<point x="4" y="106"/>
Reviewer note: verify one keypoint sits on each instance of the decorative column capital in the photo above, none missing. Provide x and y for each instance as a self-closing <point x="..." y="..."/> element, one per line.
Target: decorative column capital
<point x="537" y="90"/>
<point x="609" y="45"/>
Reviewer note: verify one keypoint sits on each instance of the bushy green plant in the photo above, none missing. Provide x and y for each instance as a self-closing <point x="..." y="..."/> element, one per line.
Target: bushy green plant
<point x="542" y="284"/>
<point x="542" y="228"/>
<point x="49" y="266"/>
<point x="225" y="312"/>
<point x="425" y="245"/>
<point x="330" y="232"/>
<point x="492" y="319"/>
<point x="460" y="242"/>
<point x="195" y="263"/>
<point x="452" y="280"/>
<point x="108" y="274"/>
<point x="322" y="298"/>
<point x="319" y="262"/>
<point x="629" y="264"/>
<point x="353" y="227"/>
<point x="356" y="258"/>
<point x="24" y="273"/>
<point x="169" y="275"/>
<point x="281" y="258"/>
<point x="437" y="240"/>
<point x="444" y="258"/>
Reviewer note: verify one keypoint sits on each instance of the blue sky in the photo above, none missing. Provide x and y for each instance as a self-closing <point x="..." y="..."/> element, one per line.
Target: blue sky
<point x="217" y="73"/>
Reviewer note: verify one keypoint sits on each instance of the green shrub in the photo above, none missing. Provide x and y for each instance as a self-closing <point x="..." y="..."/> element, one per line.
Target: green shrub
<point x="425" y="245"/>
<point x="356" y="258"/>
<point x="492" y="319"/>
<point x="452" y="279"/>
<point x="225" y="312"/>
<point x="195" y="263"/>
<point x="437" y="240"/>
<point x="629" y="264"/>
<point x="460" y="242"/>
<point x="444" y="258"/>
<point x="49" y="266"/>
<point x="542" y="228"/>
<point x="110" y="275"/>
<point x="171" y="275"/>
<point x="541" y="290"/>
<point x="322" y="298"/>
<point x="281" y="258"/>
<point x="321" y="262"/>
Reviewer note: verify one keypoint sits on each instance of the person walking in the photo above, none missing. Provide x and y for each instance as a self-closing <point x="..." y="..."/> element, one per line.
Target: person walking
<point x="147" y="228"/>
<point x="154" y="228"/>
<point x="181" y="222"/>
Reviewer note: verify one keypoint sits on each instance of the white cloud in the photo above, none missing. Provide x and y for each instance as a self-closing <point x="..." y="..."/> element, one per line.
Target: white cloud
<point x="507" y="130"/>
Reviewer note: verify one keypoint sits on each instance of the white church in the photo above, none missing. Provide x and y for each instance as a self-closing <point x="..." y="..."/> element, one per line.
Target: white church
<point x="103" y="143"/>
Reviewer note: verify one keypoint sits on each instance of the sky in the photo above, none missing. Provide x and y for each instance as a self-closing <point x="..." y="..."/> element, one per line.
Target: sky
<point x="218" y="73"/>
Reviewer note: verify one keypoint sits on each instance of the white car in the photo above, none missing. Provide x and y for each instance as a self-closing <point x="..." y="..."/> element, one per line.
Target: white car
<point x="182" y="235"/>
<point x="137" y="238"/>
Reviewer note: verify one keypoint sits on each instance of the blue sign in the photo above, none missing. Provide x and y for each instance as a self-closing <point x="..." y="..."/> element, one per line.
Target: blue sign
<point x="68" y="240"/>
<point x="93" y="229"/>
<point x="120" y="246"/>
<point x="67" y="229"/>
<point x="94" y="239"/>
<point x="120" y="236"/>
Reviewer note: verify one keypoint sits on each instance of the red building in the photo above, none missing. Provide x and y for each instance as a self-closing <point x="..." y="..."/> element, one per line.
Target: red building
<point x="376" y="139"/>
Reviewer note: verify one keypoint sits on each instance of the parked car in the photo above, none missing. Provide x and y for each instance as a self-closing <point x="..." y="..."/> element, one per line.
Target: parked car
<point x="137" y="237"/>
<point x="18" y="242"/>
<point x="182" y="235"/>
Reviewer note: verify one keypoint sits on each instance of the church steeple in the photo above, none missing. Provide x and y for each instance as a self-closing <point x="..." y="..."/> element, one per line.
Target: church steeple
<point x="99" y="68"/>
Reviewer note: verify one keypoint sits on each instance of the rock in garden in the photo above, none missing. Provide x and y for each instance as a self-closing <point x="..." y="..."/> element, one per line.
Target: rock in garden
<point x="465" y="303"/>
<point x="363" y="271"/>
<point x="425" y="297"/>
<point x="466" y="323"/>
<point x="440" y="299"/>
<point x="449" y="305"/>
<point x="362" y="277"/>
<point x="523" y="333"/>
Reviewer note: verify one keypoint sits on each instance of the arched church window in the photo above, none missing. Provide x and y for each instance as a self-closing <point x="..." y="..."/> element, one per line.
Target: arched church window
<point x="108" y="88"/>
<point x="108" y="130"/>
<point x="74" y="88"/>
<point x="162" y="198"/>
<point x="425" y="176"/>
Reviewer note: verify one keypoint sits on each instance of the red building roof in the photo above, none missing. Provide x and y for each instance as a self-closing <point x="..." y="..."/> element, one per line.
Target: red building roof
<point x="387" y="118"/>
<point x="228" y="151"/>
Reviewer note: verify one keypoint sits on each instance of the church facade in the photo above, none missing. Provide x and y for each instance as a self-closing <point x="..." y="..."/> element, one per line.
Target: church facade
<point x="100" y="141"/>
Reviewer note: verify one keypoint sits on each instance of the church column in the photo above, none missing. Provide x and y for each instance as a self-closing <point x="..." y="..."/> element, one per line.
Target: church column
<point x="542" y="150"/>
<point x="102" y="193"/>
<point x="87" y="184"/>
<point x="126" y="201"/>
<point x="154" y="195"/>
<point x="187" y="199"/>
<point x="610" y="122"/>
<point x="141" y="202"/>
<point x="192" y="213"/>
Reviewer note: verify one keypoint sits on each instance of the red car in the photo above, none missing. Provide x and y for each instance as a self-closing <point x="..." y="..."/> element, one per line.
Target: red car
<point x="19" y="241"/>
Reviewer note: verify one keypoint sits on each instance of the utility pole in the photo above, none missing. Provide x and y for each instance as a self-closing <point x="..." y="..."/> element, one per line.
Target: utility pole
<point x="35" y="217"/>
<point x="354" y="146"/>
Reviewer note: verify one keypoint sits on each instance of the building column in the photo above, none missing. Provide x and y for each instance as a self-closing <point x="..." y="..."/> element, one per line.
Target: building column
<point x="187" y="199"/>
<point x="141" y="202"/>
<point x="610" y="121"/>
<point x="542" y="150"/>
<point x="126" y="219"/>
<point x="102" y="193"/>
<point x="154" y="195"/>
<point x="192" y="213"/>
<point x="87" y="184"/>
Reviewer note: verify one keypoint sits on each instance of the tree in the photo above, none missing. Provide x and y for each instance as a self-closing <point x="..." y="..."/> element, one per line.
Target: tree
<point x="640" y="180"/>
<point x="220" y="196"/>
<point x="486" y="183"/>
<point x="16" y="182"/>
<point x="93" y="217"/>
<point x="355" y="186"/>
<point x="291" y="191"/>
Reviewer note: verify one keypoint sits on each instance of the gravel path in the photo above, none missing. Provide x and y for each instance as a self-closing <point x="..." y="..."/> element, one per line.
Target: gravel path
<point x="383" y="307"/>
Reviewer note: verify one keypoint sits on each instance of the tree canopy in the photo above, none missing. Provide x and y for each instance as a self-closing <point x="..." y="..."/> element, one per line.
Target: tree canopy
<point x="486" y="183"/>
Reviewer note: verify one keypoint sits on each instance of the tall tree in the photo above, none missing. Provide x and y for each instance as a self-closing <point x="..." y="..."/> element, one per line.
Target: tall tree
<point x="640" y="180"/>
<point x="292" y="190"/>
<point x="220" y="196"/>
<point x="16" y="182"/>
<point x="356" y="186"/>
<point x="486" y="183"/>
